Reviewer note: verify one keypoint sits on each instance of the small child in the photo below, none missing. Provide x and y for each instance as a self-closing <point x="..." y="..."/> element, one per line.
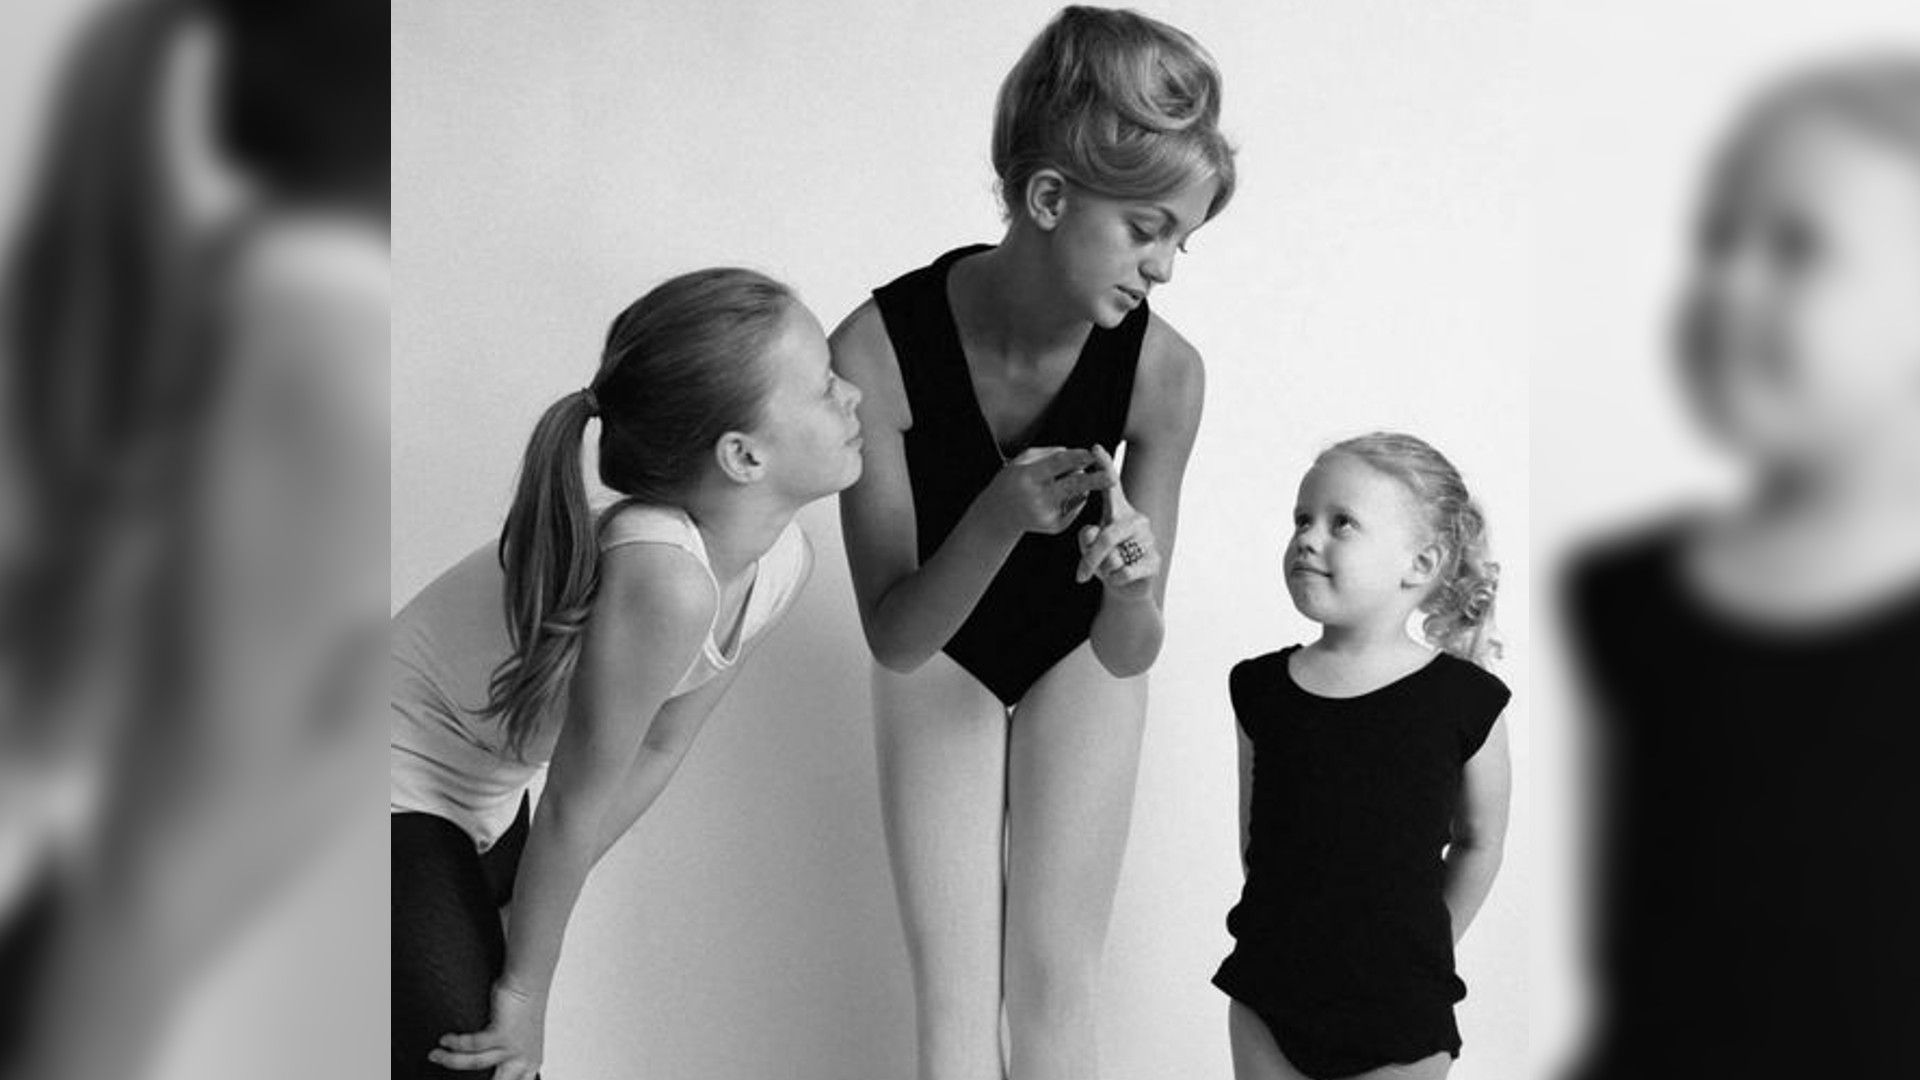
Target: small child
<point x="1751" y="666"/>
<point x="1373" y="776"/>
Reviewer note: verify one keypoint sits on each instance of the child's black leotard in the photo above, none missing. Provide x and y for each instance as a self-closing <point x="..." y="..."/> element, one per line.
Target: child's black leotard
<point x="1033" y="614"/>
<point x="1758" y="881"/>
<point x="1343" y="941"/>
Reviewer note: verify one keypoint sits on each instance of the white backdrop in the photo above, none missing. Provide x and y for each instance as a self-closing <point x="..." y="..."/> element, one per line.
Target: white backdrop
<point x="553" y="162"/>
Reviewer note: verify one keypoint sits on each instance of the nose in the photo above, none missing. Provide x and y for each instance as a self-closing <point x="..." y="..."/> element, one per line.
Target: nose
<point x="1158" y="268"/>
<point x="852" y="394"/>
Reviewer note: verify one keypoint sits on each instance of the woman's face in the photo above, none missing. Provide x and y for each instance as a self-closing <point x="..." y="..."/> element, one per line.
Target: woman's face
<point x="1108" y="253"/>
<point x="1800" y="327"/>
<point x="809" y="433"/>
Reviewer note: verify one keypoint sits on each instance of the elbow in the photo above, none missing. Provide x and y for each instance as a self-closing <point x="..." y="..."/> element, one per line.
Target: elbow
<point x="890" y="654"/>
<point x="1125" y="663"/>
<point x="898" y="660"/>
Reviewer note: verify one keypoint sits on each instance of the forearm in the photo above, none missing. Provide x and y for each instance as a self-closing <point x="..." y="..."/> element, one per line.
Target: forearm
<point x="923" y="609"/>
<point x="1470" y="870"/>
<point x="644" y="784"/>
<point x="559" y="855"/>
<point x="1127" y="633"/>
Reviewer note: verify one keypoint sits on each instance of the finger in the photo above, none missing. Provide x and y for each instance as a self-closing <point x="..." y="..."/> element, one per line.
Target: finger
<point x="1035" y="453"/>
<point x="484" y="1059"/>
<point x="1116" y="496"/>
<point x="1066" y="461"/>
<point x="1105" y="543"/>
<point x="1081" y="483"/>
<point x="478" y="1040"/>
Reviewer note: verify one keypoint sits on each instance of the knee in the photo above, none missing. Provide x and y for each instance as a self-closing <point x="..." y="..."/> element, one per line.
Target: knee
<point x="1050" y="982"/>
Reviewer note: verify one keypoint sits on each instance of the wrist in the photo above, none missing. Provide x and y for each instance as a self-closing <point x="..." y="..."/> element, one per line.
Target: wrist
<point x="528" y="990"/>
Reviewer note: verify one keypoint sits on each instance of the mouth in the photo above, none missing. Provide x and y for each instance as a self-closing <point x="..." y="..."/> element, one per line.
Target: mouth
<point x="1302" y="570"/>
<point x="1134" y="296"/>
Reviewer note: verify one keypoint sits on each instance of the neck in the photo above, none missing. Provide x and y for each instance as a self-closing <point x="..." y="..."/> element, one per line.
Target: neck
<point x="1364" y="638"/>
<point x="1012" y="304"/>
<point x="1871" y="492"/>
<point x="738" y="528"/>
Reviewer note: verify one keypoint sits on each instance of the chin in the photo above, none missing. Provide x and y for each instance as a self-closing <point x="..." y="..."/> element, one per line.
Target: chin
<point x="1109" y="315"/>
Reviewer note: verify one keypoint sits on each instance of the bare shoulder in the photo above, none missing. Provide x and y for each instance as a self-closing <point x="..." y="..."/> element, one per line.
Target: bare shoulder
<point x="863" y="355"/>
<point x="1169" y="386"/>
<point x="660" y="589"/>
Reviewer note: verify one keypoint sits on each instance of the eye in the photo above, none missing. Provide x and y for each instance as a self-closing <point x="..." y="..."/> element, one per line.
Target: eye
<point x="1301" y="521"/>
<point x="1140" y="233"/>
<point x="1343" y="523"/>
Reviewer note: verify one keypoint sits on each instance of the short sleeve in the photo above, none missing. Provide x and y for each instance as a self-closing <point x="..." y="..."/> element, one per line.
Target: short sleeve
<point x="1249" y="683"/>
<point x="1482" y="698"/>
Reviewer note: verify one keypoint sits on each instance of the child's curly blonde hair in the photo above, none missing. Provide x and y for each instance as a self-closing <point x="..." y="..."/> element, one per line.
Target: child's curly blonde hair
<point x="1459" y="609"/>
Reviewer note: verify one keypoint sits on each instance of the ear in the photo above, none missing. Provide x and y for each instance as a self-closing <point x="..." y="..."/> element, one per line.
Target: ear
<point x="741" y="459"/>
<point x="1425" y="567"/>
<point x="1046" y="199"/>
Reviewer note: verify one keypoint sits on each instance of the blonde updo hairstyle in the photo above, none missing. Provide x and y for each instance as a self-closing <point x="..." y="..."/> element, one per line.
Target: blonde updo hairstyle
<point x="1459" y="609"/>
<point x="1120" y="104"/>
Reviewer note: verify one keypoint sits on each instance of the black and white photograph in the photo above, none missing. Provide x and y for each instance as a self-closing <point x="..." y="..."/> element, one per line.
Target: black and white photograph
<point x="1002" y="541"/>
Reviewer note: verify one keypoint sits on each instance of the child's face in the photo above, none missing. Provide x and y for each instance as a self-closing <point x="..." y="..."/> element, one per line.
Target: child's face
<point x="1360" y="550"/>
<point x="1801" y="326"/>
<point x="809" y="432"/>
<point x="1110" y="253"/>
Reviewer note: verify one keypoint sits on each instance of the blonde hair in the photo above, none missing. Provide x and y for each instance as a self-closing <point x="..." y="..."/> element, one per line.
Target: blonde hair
<point x="1120" y="104"/>
<point x="1876" y="93"/>
<point x="1459" y="609"/>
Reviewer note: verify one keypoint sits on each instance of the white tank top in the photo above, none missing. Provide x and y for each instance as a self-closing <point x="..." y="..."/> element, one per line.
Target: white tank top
<point x="445" y="758"/>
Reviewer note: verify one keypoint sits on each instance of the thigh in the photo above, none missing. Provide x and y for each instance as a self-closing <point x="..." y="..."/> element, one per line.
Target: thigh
<point x="1073" y="759"/>
<point x="1428" y="1068"/>
<point x="942" y="743"/>
<point x="1256" y="1056"/>
<point x="447" y="945"/>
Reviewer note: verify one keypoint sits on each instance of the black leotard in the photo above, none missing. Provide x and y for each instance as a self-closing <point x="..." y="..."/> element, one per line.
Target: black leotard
<point x="1758" y="879"/>
<point x="1343" y="940"/>
<point x="1033" y="614"/>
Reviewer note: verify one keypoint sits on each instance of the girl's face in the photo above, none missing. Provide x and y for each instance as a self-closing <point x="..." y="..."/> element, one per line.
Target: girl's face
<point x="1108" y="254"/>
<point x="1801" y="326"/>
<point x="809" y="435"/>
<point x="1360" y="550"/>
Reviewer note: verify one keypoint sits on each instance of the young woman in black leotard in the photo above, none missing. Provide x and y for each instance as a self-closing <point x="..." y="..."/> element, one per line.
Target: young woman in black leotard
<point x="1009" y="574"/>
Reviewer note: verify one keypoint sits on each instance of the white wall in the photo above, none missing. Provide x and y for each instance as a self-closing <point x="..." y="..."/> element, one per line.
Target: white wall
<point x="552" y="163"/>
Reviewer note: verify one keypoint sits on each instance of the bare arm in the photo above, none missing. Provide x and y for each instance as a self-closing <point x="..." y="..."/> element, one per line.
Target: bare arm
<point x="1163" y="420"/>
<point x="653" y="611"/>
<point x="909" y="609"/>
<point x="1479" y="829"/>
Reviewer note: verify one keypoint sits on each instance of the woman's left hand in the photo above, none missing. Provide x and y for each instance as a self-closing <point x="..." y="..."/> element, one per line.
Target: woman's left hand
<point x="1120" y="552"/>
<point x="512" y="1044"/>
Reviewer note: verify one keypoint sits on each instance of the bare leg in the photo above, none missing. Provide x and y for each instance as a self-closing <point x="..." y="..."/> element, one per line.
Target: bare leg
<point x="1073" y="757"/>
<point x="1255" y="1055"/>
<point x="942" y="742"/>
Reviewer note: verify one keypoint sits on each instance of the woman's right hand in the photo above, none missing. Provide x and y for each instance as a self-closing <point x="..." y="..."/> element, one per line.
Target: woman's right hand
<point x="1044" y="489"/>
<point x="512" y="1044"/>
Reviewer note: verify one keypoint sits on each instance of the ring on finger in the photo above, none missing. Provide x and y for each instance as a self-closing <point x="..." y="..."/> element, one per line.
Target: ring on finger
<point x="1131" y="552"/>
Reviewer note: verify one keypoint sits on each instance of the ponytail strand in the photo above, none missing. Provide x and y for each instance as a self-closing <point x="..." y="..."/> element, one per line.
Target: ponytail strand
<point x="549" y="553"/>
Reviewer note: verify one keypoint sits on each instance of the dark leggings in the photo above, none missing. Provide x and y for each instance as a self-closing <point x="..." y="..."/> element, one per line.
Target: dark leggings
<point x="447" y="943"/>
